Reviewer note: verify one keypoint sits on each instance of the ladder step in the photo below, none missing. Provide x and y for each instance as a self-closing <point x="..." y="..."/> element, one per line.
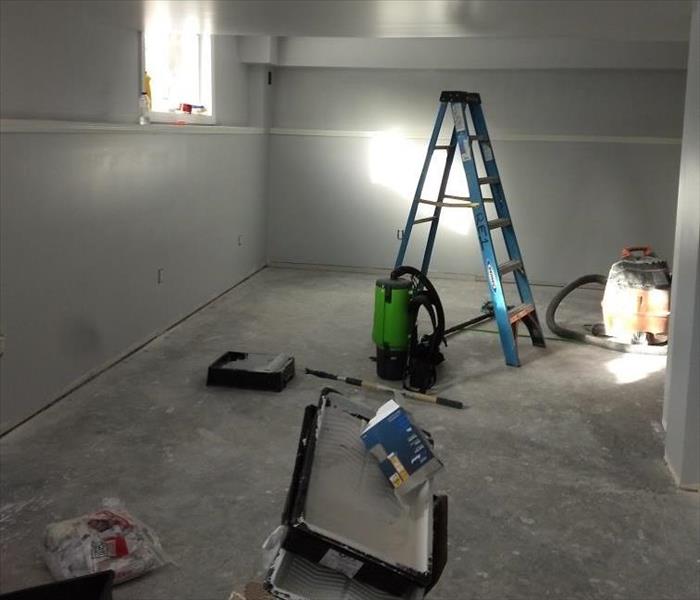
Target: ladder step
<point x="449" y="204"/>
<point x="519" y="312"/>
<point x="478" y="138"/>
<point x="496" y="223"/>
<point x="485" y="180"/>
<point x="509" y="266"/>
<point x="443" y="147"/>
<point x="423" y="220"/>
<point x="465" y="199"/>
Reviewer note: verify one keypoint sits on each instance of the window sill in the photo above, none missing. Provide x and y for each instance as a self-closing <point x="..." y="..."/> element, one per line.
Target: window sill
<point x="181" y="119"/>
<point x="44" y="126"/>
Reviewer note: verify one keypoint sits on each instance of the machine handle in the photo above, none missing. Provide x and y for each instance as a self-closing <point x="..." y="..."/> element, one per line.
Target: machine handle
<point x="448" y="402"/>
<point x="627" y="250"/>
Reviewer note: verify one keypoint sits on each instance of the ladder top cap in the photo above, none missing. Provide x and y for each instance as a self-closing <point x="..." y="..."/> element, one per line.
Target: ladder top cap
<point x="454" y="96"/>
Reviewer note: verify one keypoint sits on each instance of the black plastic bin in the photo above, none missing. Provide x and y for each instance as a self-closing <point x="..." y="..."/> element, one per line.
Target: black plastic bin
<point x="252" y="370"/>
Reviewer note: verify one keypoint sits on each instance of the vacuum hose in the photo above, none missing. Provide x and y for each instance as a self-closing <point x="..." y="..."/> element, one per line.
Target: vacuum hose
<point x="588" y="338"/>
<point x="424" y="354"/>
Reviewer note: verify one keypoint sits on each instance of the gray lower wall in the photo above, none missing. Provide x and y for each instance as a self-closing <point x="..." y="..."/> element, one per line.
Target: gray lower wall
<point x="87" y="219"/>
<point x="574" y="205"/>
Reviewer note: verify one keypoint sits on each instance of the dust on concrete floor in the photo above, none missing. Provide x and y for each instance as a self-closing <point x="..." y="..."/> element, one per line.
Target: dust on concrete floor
<point x="555" y="474"/>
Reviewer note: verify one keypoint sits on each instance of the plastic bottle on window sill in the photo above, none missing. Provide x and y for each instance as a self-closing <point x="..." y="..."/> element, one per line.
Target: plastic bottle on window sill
<point x="144" y="109"/>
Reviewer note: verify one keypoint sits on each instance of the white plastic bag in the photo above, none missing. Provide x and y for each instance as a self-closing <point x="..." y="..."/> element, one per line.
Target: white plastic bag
<point x="110" y="538"/>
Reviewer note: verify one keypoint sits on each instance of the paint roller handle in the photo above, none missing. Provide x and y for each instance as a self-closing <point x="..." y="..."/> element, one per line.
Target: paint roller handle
<point x="322" y="374"/>
<point x="374" y="386"/>
<point x="433" y="399"/>
<point x="448" y="402"/>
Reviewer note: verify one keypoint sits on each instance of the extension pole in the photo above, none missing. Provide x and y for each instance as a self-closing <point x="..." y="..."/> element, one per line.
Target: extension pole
<point x="469" y="323"/>
<point x="378" y="387"/>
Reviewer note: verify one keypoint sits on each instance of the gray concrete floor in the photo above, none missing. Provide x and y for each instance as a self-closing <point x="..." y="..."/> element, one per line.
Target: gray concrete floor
<point x="555" y="474"/>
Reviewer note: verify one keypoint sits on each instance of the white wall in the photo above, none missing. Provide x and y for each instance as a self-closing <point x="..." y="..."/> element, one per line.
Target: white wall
<point x="56" y="65"/>
<point x="260" y="94"/>
<point x="589" y="160"/>
<point x="88" y="216"/>
<point x="483" y="52"/>
<point x="682" y="393"/>
<point x="231" y="82"/>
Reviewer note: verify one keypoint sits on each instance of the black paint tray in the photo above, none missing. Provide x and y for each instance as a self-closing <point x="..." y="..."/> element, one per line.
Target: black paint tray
<point x="342" y="513"/>
<point x="255" y="371"/>
<point x="293" y="577"/>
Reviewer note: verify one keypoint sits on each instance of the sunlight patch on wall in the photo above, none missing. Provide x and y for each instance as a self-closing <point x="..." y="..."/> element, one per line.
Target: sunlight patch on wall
<point x="395" y="162"/>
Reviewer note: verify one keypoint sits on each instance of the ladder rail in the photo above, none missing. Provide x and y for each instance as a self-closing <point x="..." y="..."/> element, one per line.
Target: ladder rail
<point x="502" y="210"/>
<point x="442" y="109"/>
<point x="438" y="207"/>
<point x="490" y="262"/>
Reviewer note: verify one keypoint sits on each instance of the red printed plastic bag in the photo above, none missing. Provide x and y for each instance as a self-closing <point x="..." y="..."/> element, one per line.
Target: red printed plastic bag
<point x="107" y="539"/>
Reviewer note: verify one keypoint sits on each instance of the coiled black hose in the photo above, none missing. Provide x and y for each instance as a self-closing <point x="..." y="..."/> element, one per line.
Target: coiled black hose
<point x="424" y="354"/>
<point x="588" y="338"/>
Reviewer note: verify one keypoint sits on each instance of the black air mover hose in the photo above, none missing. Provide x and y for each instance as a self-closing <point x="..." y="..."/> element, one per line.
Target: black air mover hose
<point x="424" y="353"/>
<point x="587" y="337"/>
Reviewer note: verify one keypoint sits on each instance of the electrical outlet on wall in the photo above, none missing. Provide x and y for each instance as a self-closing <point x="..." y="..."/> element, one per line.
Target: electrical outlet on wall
<point x="160" y="276"/>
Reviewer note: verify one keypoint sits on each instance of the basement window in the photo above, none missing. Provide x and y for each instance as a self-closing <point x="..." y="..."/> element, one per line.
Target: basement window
<point x="178" y="69"/>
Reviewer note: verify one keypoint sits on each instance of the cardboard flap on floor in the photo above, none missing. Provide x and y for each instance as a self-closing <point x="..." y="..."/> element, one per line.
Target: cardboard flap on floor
<point x="341" y="513"/>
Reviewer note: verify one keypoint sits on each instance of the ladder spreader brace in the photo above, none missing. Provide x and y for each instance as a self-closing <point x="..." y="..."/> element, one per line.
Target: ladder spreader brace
<point x="507" y="318"/>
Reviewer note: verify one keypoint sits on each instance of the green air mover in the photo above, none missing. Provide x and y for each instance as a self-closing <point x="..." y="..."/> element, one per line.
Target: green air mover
<point x="401" y="353"/>
<point x="392" y="330"/>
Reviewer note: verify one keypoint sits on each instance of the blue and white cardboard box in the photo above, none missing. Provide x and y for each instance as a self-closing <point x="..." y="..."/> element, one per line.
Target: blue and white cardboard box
<point x="404" y="453"/>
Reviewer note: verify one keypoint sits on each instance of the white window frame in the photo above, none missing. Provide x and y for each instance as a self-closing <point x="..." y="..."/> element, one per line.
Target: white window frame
<point x="175" y="118"/>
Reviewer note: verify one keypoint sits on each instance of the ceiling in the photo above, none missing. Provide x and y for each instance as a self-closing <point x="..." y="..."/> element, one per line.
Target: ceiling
<point x="619" y="20"/>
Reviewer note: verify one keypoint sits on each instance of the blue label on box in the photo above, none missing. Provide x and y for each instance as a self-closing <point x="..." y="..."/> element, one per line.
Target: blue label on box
<point x="401" y="447"/>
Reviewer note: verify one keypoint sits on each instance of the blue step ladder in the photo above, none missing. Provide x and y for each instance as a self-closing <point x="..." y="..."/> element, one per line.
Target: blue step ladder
<point x="507" y="317"/>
